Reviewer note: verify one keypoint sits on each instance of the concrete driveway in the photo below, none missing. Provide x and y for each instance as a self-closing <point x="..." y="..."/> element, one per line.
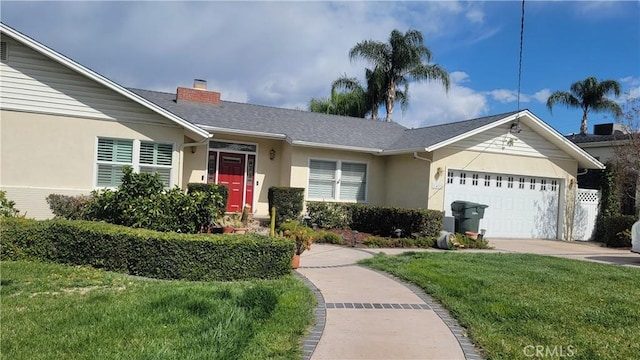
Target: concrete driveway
<point x="572" y="250"/>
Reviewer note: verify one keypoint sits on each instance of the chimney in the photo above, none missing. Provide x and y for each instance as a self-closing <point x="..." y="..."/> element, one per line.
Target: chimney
<point x="609" y="129"/>
<point x="198" y="93"/>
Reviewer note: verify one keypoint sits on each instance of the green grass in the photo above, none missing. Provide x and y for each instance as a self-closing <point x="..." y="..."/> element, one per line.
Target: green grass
<point x="511" y="302"/>
<point x="52" y="311"/>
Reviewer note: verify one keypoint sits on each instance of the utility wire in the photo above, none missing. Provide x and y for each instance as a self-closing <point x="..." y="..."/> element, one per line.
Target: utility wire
<point x="520" y="60"/>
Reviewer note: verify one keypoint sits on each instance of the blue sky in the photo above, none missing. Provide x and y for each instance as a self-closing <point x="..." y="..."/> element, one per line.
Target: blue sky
<point x="284" y="53"/>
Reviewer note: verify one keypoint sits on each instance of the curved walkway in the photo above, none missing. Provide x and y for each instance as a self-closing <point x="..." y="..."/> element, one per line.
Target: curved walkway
<point x="366" y="314"/>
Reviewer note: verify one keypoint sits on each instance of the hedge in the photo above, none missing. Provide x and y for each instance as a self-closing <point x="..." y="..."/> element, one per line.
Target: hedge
<point x="617" y="230"/>
<point x="145" y="252"/>
<point x="288" y="202"/>
<point x="376" y="219"/>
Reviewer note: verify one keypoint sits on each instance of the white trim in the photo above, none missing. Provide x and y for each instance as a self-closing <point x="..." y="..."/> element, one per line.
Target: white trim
<point x="65" y="61"/>
<point x="244" y="132"/>
<point x="335" y="147"/>
<point x="608" y="143"/>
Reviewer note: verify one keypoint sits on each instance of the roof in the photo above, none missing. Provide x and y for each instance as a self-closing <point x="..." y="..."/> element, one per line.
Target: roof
<point x="65" y="61"/>
<point x="306" y="128"/>
<point x="296" y="126"/>
<point x="591" y="138"/>
<point x="427" y="137"/>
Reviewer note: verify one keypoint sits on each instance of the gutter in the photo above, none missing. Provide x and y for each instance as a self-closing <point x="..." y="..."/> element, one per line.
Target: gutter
<point x="244" y="132"/>
<point x="336" y="147"/>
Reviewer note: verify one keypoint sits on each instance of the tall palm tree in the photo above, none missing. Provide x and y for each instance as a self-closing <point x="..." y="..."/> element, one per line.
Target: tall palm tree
<point x="372" y="93"/>
<point x="403" y="59"/>
<point x="589" y="95"/>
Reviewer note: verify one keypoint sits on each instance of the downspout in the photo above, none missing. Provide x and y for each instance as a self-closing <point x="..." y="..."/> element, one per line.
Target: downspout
<point x="181" y="157"/>
<point x="416" y="156"/>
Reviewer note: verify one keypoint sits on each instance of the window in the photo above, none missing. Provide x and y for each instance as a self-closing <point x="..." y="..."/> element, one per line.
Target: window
<point x="498" y="181"/>
<point x="463" y="178"/>
<point x="532" y="184"/>
<point x="337" y="180"/>
<point x="487" y="180"/>
<point x="543" y="185"/>
<point x="113" y="155"/>
<point x="155" y="157"/>
<point x="554" y="185"/>
<point x="449" y="177"/>
<point x="521" y="184"/>
<point x="474" y="179"/>
<point x="510" y="182"/>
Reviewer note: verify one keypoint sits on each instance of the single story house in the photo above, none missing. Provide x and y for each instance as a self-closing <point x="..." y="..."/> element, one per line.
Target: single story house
<point x="67" y="129"/>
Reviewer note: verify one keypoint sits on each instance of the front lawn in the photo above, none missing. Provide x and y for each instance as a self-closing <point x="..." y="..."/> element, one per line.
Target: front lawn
<point x="52" y="311"/>
<point x="518" y="306"/>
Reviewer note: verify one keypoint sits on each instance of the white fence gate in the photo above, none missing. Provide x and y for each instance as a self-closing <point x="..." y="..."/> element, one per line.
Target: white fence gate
<point x="586" y="211"/>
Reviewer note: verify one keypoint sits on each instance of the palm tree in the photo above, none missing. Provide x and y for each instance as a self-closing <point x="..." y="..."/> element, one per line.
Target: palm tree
<point x="401" y="60"/>
<point x="588" y="94"/>
<point x="345" y="104"/>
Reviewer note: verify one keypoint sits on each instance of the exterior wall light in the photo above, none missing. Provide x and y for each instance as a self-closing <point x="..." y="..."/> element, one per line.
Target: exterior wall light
<point x="272" y="154"/>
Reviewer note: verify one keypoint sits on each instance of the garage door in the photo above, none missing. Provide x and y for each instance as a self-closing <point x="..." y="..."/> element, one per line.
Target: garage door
<point x="519" y="206"/>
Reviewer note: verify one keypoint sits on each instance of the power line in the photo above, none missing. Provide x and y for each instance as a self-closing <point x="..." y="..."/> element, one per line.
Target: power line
<point x="520" y="60"/>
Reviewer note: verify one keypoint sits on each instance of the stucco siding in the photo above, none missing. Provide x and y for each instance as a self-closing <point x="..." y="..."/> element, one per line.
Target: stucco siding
<point x="407" y="181"/>
<point x="375" y="188"/>
<point x="32" y="82"/>
<point x="50" y="152"/>
<point x="500" y="141"/>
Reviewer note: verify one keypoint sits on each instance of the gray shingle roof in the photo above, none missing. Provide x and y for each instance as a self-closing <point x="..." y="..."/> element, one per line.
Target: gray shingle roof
<point x="314" y="127"/>
<point x="431" y="135"/>
<point x="297" y="125"/>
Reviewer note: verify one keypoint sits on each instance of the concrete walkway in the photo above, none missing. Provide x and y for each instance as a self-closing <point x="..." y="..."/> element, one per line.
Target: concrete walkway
<point x="370" y="315"/>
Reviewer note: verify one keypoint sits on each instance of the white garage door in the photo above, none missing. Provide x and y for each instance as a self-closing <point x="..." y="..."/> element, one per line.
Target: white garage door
<point x="519" y="206"/>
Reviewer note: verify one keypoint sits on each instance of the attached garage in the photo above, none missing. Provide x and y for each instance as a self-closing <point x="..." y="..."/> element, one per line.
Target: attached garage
<point x="519" y="206"/>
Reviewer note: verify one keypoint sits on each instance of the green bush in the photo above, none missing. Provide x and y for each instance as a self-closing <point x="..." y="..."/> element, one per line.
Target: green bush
<point x="7" y="207"/>
<point x="301" y="235"/>
<point x="615" y="228"/>
<point x="143" y="202"/>
<point x="144" y="252"/>
<point x="376" y="219"/>
<point x="288" y="202"/>
<point x="68" y="207"/>
<point x="211" y="202"/>
<point x="329" y="215"/>
<point x="384" y="220"/>
<point x="383" y="242"/>
<point x="469" y="243"/>
<point x="327" y="237"/>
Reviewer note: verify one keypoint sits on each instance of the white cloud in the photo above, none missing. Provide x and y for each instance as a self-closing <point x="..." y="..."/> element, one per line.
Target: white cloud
<point x="431" y="104"/>
<point x="475" y="15"/>
<point x="542" y="95"/>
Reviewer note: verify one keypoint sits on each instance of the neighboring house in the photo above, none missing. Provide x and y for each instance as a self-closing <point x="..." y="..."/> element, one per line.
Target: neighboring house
<point x="601" y="145"/>
<point x="66" y="129"/>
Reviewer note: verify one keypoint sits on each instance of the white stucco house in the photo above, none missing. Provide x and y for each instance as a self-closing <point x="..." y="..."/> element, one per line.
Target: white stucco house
<point x="66" y="129"/>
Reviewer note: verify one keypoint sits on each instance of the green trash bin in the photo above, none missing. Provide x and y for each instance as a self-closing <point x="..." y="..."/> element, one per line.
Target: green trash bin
<point x="467" y="215"/>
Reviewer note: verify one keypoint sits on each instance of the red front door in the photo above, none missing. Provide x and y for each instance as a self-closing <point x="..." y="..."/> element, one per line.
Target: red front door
<point x="231" y="174"/>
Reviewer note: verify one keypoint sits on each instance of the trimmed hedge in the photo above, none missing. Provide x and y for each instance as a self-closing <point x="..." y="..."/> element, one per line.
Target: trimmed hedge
<point x="144" y="252"/>
<point x="617" y="230"/>
<point x="377" y="220"/>
<point x="288" y="202"/>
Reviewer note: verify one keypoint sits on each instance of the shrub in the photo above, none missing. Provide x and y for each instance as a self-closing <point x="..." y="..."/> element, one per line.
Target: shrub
<point x="329" y="215"/>
<point x="143" y="202"/>
<point x="301" y="235"/>
<point x="327" y="237"/>
<point x="210" y="201"/>
<point x="7" y="207"/>
<point x="68" y="207"/>
<point x="384" y="220"/>
<point x="220" y="195"/>
<point x="425" y="242"/>
<point x="376" y="219"/>
<point x="614" y="228"/>
<point x="288" y="202"/>
<point x="469" y="243"/>
<point x="144" y="252"/>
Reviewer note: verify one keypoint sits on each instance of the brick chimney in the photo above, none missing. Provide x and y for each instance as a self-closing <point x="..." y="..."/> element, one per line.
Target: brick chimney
<point x="198" y="93"/>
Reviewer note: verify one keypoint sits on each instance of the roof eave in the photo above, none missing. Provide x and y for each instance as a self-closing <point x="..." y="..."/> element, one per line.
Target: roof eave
<point x="46" y="51"/>
<point x="374" y="151"/>
<point x="259" y="134"/>
<point x="403" y="151"/>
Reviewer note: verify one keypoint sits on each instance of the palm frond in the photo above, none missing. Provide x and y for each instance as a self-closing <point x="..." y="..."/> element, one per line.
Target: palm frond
<point x="431" y="72"/>
<point x="609" y="106"/>
<point x="564" y="98"/>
